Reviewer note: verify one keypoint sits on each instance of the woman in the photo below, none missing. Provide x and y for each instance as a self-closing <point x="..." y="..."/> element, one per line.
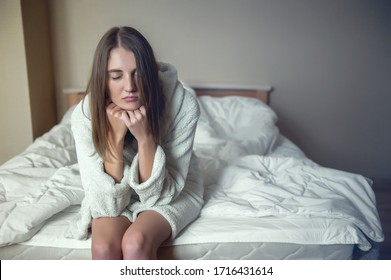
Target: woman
<point x="134" y="134"/>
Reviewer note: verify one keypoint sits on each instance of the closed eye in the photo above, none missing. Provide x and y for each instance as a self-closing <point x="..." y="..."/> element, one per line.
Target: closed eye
<point x="115" y="74"/>
<point x="115" y="77"/>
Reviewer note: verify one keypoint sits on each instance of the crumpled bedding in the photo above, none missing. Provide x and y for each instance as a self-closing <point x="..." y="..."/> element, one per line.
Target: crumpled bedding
<point x="259" y="186"/>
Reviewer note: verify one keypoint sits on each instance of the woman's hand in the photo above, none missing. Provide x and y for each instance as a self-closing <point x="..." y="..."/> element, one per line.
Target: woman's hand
<point x="118" y="127"/>
<point x="137" y="123"/>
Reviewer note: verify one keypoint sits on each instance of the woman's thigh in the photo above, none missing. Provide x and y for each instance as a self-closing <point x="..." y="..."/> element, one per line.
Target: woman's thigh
<point x="107" y="236"/>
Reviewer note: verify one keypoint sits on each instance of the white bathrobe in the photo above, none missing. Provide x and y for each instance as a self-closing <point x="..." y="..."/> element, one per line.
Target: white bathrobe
<point x="175" y="187"/>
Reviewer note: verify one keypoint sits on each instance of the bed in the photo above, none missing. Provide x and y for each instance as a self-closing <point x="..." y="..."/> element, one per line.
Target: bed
<point x="264" y="198"/>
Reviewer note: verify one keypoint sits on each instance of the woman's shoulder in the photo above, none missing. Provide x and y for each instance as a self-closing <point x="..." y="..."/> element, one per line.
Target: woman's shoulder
<point x="190" y="98"/>
<point x="81" y="116"/>
<point x="182" y="101"/>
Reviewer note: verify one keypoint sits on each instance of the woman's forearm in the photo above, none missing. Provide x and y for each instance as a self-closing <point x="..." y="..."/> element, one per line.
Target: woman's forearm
<point x="114" y="162"/>
<point x="146" y="156"/>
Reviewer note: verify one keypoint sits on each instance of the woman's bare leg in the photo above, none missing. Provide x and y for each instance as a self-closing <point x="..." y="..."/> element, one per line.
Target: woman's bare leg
<point x="144" y="237"/>
<point x="107" y="236"/>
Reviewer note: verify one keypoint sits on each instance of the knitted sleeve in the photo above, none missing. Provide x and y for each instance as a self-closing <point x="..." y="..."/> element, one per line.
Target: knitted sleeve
<point x="172" y="158"/>
<point x="104" y="197"/>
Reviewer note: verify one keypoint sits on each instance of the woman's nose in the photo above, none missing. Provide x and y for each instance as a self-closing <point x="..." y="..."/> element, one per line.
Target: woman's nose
<point x="130" y="85"/>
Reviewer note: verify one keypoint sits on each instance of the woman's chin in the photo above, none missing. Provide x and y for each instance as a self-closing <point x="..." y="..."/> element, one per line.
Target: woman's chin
<point x="128" y="106"/>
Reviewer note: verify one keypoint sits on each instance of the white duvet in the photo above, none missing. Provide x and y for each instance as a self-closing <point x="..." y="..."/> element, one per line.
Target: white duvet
<point x="259" y="187"/>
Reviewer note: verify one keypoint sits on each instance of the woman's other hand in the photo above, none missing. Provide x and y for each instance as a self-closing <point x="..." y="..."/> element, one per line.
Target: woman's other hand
<point x="137" y="123"/>
<point x="115" y="116"/>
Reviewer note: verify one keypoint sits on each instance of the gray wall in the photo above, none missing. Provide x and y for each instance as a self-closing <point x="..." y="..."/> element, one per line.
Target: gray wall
<point x="16" y="131"/>
<point x="328" y="60"/>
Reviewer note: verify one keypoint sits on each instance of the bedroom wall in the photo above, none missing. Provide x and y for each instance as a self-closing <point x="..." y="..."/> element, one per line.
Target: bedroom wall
<point x="36" y="32"/>
<point x="15" y="120"/>
<point x="328" y="61"/>
<point x="28" y="105"/>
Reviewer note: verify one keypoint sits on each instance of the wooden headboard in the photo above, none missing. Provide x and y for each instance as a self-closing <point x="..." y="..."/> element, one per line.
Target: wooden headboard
<point x="261" y="93"/>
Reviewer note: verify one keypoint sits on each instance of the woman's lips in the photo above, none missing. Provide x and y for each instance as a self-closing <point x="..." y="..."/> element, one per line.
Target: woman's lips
<point x="130" y="98"/>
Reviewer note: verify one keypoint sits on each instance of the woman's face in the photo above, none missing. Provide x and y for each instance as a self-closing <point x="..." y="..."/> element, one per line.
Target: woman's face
<point x="122" y="79"/>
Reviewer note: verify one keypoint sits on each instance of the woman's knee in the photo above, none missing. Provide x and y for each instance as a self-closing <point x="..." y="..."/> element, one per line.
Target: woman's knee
<point x="106" y="237"/>
<point x="135" y="246"/>
<point x="104" y="250"/>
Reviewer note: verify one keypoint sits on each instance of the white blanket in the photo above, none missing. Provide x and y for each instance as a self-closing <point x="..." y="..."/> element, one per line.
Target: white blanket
<point x="259" y="187"/>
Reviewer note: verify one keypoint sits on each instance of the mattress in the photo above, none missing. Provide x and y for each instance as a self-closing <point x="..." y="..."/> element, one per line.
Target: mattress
<point x="48" y="243"/>
<point x="264" y="199"/>
<point x="204" y="251"/>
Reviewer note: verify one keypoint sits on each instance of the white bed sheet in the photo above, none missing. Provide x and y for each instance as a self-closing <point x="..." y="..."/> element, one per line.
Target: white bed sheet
<point x="259" y="187"/>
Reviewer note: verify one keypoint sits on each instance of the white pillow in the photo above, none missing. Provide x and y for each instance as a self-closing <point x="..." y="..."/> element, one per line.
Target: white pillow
<point x="231" y="127"/>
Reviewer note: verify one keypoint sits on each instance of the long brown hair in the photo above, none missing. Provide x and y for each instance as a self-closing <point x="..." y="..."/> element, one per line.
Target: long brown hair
<point x="148" y="83"/>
